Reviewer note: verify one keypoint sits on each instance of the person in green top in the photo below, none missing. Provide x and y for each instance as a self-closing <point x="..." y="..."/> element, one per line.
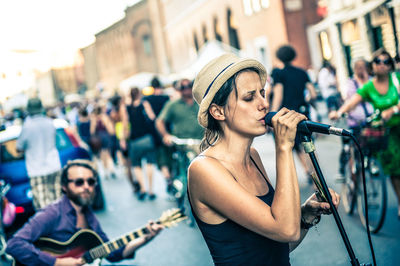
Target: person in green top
<point x="382" y="92"/>
<point x="178" y="118"/>
<point x="181" y="116"/>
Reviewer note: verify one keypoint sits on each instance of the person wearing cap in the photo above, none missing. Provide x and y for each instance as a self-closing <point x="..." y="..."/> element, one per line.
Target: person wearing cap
<point x="180" y="115"/>
<point x="243" y="219"/>
<point x="38" y="141"/>
<point x="290" y="86"/>
<point x="61" y="221"/>
<point x="178" y="118"/>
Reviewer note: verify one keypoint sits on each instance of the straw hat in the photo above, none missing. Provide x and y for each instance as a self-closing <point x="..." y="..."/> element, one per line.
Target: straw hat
<point x="213" y="75"/>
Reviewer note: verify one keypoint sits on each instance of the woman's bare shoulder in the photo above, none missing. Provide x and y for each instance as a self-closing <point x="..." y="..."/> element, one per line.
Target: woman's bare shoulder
<point x="203" y="163"/>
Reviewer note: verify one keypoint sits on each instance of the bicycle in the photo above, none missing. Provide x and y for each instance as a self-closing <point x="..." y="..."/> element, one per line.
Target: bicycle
<point x="373" y="137"/>
<point x="185" y="150"/>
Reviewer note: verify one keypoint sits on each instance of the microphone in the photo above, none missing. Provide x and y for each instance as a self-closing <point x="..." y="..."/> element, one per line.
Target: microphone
<point x="307" y="127"/>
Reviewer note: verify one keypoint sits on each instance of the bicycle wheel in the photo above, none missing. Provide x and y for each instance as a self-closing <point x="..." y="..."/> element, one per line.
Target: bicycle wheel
<point x="349" y="186"/>
<point x="376" y="196"/>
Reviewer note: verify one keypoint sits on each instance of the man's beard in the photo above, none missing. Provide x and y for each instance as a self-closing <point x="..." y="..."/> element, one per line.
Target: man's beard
<point x="78" y="200"/>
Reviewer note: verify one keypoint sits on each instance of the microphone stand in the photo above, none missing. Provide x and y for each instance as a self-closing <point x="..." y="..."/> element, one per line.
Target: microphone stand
<point x="310" y="148"/>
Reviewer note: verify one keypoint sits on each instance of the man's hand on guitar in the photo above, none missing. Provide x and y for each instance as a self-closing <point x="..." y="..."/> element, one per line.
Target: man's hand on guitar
<point x="154" y="229"/>
<point x="69" y="262"/>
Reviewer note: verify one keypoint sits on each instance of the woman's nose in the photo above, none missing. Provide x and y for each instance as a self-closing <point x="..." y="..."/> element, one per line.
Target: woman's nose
<point x="264" y="104"/>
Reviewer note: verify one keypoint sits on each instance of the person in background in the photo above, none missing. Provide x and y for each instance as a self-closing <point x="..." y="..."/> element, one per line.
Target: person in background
<point x="156" y="102"/>
<point x="120" y="150"/>
<point x="358" y="115"/>
<point x="64" y="218"/>
<point x="243" y="219"/>
<point x="137" y="127"/>
<point x="101" y="130"/>
<point x="180" y="115"/>
<point x="83" y="125"/>
<point x="397" y="63"/>
<point x="382" y="91"/>
<point x="290" y="85"/>
<point x="328" y="86"/>
<point x="38" y="141"/>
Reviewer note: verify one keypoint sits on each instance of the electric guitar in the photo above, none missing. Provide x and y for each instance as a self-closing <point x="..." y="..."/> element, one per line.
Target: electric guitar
<point x="88" y="245"/>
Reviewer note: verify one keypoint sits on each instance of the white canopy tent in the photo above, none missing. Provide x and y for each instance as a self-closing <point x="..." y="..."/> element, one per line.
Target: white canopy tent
<point x="142" y="80"/>
<point x="208" y="52"/>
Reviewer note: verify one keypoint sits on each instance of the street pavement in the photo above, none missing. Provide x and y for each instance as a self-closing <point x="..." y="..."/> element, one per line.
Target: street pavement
<point x="184" y="245"/>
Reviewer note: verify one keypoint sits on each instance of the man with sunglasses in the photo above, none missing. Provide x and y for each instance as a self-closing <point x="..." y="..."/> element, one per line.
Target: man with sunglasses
<point x="62" y="219"/>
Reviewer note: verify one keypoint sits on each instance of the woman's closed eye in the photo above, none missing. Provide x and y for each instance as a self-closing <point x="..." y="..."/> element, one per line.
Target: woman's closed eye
<point x="250" y="96"/>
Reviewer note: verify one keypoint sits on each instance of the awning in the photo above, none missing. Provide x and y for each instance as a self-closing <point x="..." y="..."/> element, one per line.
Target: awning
<point x="346" y="15"/>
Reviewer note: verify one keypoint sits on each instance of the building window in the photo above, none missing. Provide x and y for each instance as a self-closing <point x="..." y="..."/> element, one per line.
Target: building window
<point x="217" y="30"/>
<point x="265" y="3"/>
<point x="254" y="6"/>
<point x="325" y="45"/>
<point x="232" y="30"/>
<point x="248" y="10"/>
<point x="146" y="39"/>
<point x="205" y="36"/>
<point x="196" y="42"/>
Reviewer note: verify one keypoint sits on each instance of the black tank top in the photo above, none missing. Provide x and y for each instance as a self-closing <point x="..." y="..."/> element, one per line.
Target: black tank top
<point x="138" y="120"/>
<point x="232" y="244"/>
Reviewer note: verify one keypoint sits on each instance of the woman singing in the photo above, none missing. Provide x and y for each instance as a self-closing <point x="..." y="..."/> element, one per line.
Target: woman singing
<point x="243" y="219"/>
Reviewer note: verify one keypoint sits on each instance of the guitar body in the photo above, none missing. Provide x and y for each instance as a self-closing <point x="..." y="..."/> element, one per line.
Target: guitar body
<point x="88" y="245"/>
<point x="75" y="247"/>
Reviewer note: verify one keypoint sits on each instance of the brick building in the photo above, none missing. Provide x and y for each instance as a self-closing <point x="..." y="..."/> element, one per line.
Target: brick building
<point x="166" y="36"/>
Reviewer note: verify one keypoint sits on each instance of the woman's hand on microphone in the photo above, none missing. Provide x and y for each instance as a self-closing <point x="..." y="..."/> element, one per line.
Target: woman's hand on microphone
<point x="285" y="127"/>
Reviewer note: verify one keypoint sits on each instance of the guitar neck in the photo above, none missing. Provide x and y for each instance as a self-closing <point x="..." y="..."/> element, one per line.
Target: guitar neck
<point x="105" y="249"/>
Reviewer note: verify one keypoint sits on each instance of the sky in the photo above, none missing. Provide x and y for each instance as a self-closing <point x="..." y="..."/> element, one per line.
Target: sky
<point x="54" y="27"/>
<point x="39" y="34"/>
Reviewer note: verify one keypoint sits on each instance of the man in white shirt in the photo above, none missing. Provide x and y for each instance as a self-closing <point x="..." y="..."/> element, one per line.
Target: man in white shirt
<point x="38" y="141"/>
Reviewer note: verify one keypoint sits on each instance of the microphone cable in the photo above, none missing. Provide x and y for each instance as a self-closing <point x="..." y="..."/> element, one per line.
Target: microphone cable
<point x="365" y="197"/>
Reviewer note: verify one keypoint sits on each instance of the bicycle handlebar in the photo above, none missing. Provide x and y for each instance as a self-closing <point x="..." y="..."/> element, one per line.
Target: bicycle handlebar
<point x="185" y="142"/>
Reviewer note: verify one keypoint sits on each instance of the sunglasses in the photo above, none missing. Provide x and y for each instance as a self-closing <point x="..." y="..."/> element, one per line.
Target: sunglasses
<point x="189" y="86"/>
<point x="379" y="61"/>
<point x="80" y="181"/>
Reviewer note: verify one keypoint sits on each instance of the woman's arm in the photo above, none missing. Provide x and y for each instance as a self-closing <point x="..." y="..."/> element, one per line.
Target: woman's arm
<point x="93" y="124"/>
<point x="347" y="106"/>
<point x="149" y="111"/>
<point x="311" y="211"/>
<point x="310" y="87"/>
<point x="108" y="124"/>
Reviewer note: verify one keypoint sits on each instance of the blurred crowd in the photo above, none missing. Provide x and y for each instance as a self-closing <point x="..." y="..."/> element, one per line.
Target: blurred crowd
<point x="121" y="132"/>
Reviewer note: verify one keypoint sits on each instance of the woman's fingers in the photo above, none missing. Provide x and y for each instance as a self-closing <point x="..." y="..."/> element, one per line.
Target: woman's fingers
<point x="287" y="118"/>
<point x="325" y="208"/>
